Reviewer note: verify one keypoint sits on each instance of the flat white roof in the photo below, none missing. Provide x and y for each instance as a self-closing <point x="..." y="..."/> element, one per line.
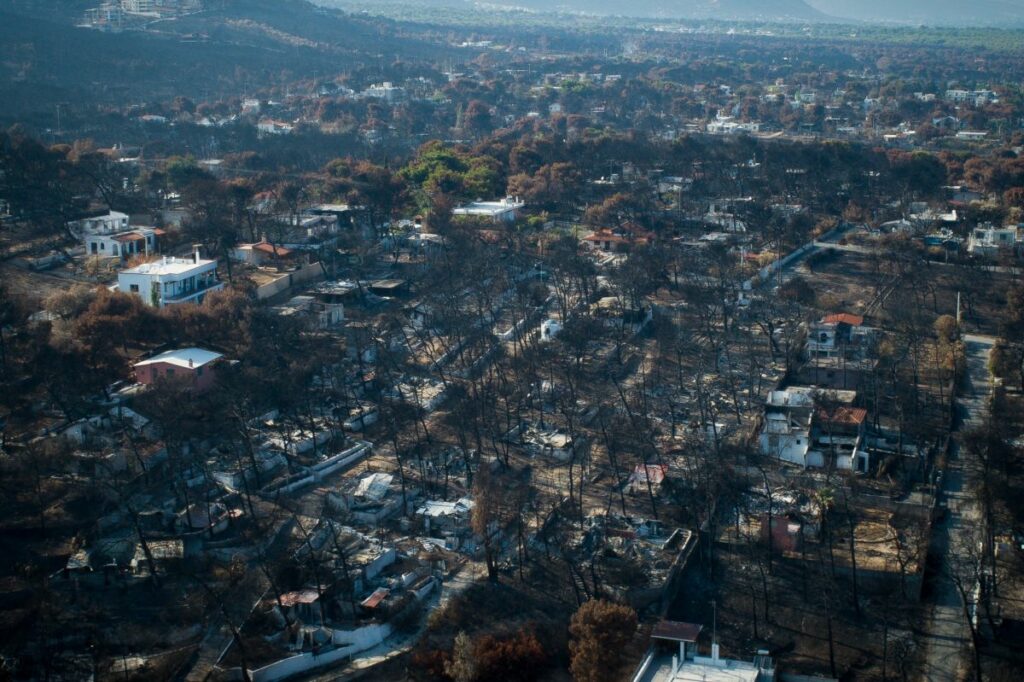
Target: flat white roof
<point x="489" y="207"/>
<point x="795" y="396"/>
<point x="169" y="266"/>
<point x="183" y="357"/>
<point x="731" y="671"/>
<point x="702" y="669"/>
<point x="438" y="508"/>
<point x="117" y="215"/>
<point x="331" y="208"/>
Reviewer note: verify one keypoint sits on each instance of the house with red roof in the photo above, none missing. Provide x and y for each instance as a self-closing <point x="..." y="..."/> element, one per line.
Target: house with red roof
<point x="263" y="253"/>
<point x="839" y="335"/>
<point x="839" y="434"/>
<point x="618" y="239"/>
<point x="647" y="478"/>
<point x="815" y="428"/>
<point x="844" y="318"/>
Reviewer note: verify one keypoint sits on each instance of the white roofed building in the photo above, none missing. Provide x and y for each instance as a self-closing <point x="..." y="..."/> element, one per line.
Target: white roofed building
<point x="170" y="281"/>
<point x="503" y="210"/>
<point x="111" y="223"/>
<point x="192" y="364"/>
<point x="989" y="241"/>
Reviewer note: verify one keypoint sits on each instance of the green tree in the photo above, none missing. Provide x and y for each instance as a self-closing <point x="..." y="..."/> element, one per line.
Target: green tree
<point x="182" y="171"/>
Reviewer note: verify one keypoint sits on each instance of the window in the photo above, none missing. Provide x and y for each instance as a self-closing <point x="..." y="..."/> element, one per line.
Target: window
<point x="199" y="371"/>
<point x="134" y="288"/>
<point x="103" y="247"/>
<point x="170" y="371"/>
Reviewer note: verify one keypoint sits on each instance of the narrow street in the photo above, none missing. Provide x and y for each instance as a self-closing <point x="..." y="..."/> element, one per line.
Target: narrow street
<point x="947" y="639"/>
<point x="401" y="643"/>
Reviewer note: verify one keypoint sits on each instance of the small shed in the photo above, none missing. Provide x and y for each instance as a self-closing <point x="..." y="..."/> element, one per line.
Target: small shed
<point x="685" y="634"/>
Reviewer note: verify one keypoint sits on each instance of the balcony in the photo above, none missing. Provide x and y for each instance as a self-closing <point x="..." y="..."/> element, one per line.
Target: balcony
<point x="188" y="293"/>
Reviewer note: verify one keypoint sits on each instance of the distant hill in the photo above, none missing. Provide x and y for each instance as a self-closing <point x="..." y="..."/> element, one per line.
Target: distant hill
<point x="1003" y="13"/>
<point x="45" y="59"/>
<point x="735" y="10"/>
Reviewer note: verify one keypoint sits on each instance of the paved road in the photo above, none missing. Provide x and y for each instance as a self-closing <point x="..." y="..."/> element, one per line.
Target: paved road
<point x="871" y="250"/>
<point x="947" y="634"/>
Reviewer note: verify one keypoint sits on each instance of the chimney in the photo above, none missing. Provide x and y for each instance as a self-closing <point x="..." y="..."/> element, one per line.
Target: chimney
<point x="190" y="363"/>
<point x="195" y="252"/>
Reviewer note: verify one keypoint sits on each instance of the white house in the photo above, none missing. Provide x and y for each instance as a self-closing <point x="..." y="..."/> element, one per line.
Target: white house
<point x="726" y="125"/>
<point x="169" y="281"/>
<point x="839" y="335"/>
<point x="787" y="425"/>
<point x="978" y="98"/>
<point x="687" y="665"/>
<point x="138" y="6"/>
<point x="800" y="431"/>
<point x="111" y="236"/>
<point x="989" y="241"/>
<point x="503" y="210"/>
<point x="549" y="329"/>
<point x="111" y="223"/>
<point x="123" y="245"/>
<point x="269" y="126"/>
<point x="386" y="91"/>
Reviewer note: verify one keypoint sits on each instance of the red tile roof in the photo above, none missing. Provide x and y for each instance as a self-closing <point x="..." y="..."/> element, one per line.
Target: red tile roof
<point x="272" y="250"/>
<point x="605" y="236"/>
<point x="844" y="318"/>
<point x="655" y="473"/>
<point x="374" y="600"/>
<point x="850" y="416"/>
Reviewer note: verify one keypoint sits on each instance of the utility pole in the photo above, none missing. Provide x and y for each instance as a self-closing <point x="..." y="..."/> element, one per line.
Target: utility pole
<point x="714" y="621"/>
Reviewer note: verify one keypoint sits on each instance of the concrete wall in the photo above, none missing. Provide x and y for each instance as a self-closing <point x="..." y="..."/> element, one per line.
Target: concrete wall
<point x="766" y="272"/>
<point x="373" y="569"/>
<point x="322" y="469"/>
<point x="306" y="273"/>
<point x="349" y="642"/>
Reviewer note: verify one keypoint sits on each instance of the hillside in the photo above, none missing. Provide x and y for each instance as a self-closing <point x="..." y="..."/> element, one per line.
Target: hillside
<point x="1005" y="13"/>
<point x="247" y="42"/>
<point x="740" y="10"/>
